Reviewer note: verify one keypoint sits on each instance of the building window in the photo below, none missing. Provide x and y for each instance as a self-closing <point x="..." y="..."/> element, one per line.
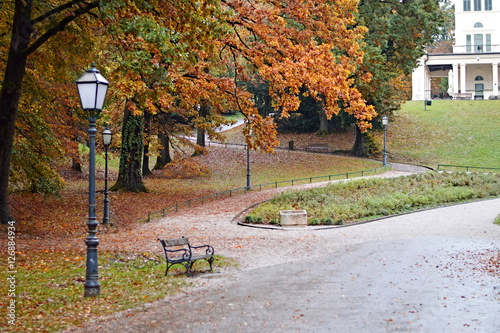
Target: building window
<point x="478" y="43"/>
<point x="468" y="44"/>
<point x="487" y="5"/>
<point x="466" y="5"/>
<point x="479" y="78"/>
<point x="478" y="25"/>
<point x="477" y="5"/>
<point x="488" y="42"/>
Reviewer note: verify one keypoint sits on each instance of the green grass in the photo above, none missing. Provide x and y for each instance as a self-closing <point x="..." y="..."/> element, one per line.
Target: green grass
<point x="49" y="287"/>
<point x="365" y="199"/>
<point x="235" y="116"/>
<point x="497" y="220"/>
<point x="449" y="132"/>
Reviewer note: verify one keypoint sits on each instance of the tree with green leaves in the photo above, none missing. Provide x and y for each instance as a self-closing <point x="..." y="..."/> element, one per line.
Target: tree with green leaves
<point x="398" y="32"/>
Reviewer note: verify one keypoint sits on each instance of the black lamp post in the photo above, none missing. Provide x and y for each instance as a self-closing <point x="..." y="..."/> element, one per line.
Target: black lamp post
<point x="107" y="136"/>
<point x="385" y="122"/>
<point x="92" y="87"/>
<point x="248" y="169"/>
<point x="249" y="186"/>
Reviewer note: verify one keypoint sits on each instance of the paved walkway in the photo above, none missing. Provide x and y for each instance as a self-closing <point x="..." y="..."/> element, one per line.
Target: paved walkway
<point x="422" y="272"/>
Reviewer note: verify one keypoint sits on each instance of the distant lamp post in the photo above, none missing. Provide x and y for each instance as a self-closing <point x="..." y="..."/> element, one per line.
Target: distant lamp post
<point x="385" y="122"/>
<point x="248" y="169"/>
<point x="249" y="186"/>
<point x="107" y="135"/>
<point x="92" y="87"/>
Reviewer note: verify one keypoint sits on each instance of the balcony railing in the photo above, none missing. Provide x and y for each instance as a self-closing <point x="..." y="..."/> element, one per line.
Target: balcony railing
<point x="476" y="48"/>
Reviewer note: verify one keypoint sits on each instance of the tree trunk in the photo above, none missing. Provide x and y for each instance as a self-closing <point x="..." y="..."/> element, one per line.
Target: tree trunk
<point x="10" y="95"/>
<point x="200" y="137"/>
<point x="76" y="165"/>
<point x="164" y="157"/>
<point x="200" y="132"/>
<point x="145" y="158"/>
<point x="145" y="161"/>
<point x="359" y="148"/>
<point x="129" y="173"/>
<point x="323" y="123"/>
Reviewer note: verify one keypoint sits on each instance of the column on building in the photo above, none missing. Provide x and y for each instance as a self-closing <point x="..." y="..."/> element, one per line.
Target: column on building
<point x="418" y="81"/>
<point x="455" y="79"/>
<point x="428" y="84"/>
<point x="463" y="79"/>
<point x="495" y="79"/>
<point x="451" y="83"/>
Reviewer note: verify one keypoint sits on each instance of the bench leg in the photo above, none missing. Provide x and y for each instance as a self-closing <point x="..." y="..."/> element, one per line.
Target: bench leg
<point x="168" y="267"/>
<point x="187" y="265"/>
<point x="210" y="261"/>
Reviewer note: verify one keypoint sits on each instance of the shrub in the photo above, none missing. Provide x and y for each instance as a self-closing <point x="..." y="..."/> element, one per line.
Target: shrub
<point x="274" y="221"/>
<point x="249" y="219"/>
<point x="328" y="221"/>
<point x="314" y="222"/>
<point x="339" y="222"/>
<point x="259" y="220"/>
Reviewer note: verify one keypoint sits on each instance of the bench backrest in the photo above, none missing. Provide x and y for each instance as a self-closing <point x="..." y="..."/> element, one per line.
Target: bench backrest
<point x="176" y="242"/>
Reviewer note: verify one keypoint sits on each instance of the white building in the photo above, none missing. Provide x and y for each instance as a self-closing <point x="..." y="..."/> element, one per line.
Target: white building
<point x="472" y="68"/>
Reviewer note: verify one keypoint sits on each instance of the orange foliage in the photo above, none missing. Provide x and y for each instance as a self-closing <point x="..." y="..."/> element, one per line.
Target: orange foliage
<point x="302" y="44"/>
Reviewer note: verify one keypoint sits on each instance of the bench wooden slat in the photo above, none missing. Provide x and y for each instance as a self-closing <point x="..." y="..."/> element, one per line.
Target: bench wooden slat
<point x="176" y="242"/>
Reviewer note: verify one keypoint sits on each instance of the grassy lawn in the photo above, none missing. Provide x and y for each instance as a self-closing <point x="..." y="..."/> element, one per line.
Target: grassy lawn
<point x="50" y="287"/>
<point x="449" y="132"/>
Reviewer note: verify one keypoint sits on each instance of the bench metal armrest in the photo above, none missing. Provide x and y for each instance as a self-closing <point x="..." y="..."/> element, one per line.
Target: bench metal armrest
<point x="185" y="254"/>
<point x="209" y="250"/>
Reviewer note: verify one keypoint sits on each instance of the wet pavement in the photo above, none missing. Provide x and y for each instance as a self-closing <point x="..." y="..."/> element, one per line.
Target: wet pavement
<point x="423" y="272"/>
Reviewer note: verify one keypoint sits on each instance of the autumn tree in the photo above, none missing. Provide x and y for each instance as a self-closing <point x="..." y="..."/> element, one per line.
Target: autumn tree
<point x="25" y="29"/>
<point x="180" y="58"/>
<point x="309" y="48"/>
<point x="160" y="64"/>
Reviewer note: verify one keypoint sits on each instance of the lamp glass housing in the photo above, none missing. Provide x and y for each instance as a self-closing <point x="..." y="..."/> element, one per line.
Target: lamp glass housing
<point x="92" y="88"/>
<point x="385" y="121"/>
<point x="107" y="136"/>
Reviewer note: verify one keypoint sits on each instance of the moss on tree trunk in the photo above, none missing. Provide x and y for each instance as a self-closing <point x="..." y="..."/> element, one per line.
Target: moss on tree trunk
<point x="130" y="171"/>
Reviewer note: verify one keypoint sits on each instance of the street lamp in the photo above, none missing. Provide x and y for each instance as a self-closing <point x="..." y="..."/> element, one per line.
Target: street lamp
<point x="385" y="122"/>
<point x="92" y="87"/>
<point x="106" y="139"/>
<point x="249" y="186"/>
<point x="248" y="169"/>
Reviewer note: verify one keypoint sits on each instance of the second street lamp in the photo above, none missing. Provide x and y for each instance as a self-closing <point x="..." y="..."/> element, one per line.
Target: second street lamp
<point x="385" y="122"/>
<point x="249" y="186"/>
<point x="107" y="136"/>
<point x="92" y="87"/>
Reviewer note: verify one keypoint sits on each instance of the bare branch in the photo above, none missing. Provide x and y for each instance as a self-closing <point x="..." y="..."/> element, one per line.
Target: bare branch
<point x="59" y="27"/>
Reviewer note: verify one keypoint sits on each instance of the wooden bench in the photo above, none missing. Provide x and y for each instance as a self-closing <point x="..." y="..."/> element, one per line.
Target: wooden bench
<point x="463" y="96"/>
<point x="179" y="251"/>
<point x="317" y="147"/>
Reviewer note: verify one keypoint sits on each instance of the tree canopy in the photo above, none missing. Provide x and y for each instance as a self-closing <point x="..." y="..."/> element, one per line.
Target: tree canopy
<point x="183" y="63"/>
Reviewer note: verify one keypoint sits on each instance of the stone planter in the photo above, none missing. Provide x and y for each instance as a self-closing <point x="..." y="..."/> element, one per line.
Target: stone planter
<point x="293" y="218"/>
